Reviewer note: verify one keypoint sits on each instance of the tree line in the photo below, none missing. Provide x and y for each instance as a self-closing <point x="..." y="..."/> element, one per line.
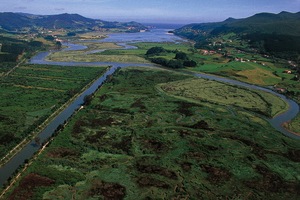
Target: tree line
<point x="180" y="60"/>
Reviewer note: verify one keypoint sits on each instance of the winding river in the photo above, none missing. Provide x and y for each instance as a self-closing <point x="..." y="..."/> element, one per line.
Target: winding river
<point x="156" y="35"/>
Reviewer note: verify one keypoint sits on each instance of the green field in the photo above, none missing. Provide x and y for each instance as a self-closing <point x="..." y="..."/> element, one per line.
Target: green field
<point x="84" y="56"/>
<point x="294" y="125"/>
<point x="6" y="66"/>
<point x="227" y="95"/>
<point x="135" y="141"/>
<point x="31" y="93"/>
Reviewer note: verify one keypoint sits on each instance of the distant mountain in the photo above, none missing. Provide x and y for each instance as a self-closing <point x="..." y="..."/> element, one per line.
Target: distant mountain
<point x="283" y="23"/>
<point x="271" y="33"/>
<point x="20" y="21"/>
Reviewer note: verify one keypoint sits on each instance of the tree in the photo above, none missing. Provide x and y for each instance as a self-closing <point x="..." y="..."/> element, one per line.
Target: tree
<point x="155" y="51"/>
<point x="190" y="63"/>
<point x="49" y="37"/>
<point x="160" y="61"/>
<point x="58" y="45"/>
<point x="35" y="44"/>
<point x="71" y="34"/>
<point x="87" y="99"/>
<point x="175" y="64"/>
<point x="181" y="56"/>
<point x="37" y="141"/>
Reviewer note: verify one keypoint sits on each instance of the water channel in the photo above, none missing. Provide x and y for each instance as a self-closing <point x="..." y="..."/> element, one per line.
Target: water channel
<point x="156" y="35"/>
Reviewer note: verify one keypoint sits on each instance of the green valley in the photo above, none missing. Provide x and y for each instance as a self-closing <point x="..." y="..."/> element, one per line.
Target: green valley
<point x="167" y="118"/>
<point x="135" y="140"/>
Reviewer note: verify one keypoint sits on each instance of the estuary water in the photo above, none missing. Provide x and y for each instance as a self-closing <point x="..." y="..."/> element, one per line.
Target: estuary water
<point x="155" y="35"/>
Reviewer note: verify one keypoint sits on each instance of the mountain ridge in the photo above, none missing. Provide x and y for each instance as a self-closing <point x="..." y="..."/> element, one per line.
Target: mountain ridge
<point x="10" y="21"/>
<point x="275" y="34"/>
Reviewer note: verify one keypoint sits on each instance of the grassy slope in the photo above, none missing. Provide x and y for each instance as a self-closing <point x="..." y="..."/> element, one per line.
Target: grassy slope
<point x="31" y="93"/>
<point x="135" y="141"/>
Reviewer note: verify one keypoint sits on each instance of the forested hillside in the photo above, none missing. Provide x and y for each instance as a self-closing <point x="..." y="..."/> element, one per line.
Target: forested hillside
<point x="276" y="34"/>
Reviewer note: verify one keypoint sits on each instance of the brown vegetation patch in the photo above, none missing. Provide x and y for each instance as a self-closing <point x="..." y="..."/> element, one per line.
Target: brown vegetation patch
<point x="153" y="169"/>
<point x="198" y="156"/>
<point x="272" y="182"/>
<point x="152" y="182"/>
<point x="150" y="123"/>
<point x="202" y="125"/>
<point x="256" y="149"/>
<point x="125" y="144"/>
<point x="183" y="133"/>
<point x="259" y="111"/>
<point x="217" y="175"/>
<point x="155" y="145"/>
<point x="25" y="189"/>
<point x="211" y="148"/>
<point x="108" y="190"/>
<point x="6" y="119"/>
<point x="101" y="122"/>
<point x="77" y="128"/>
<point x="103" y="97"/>
<point x="293" y="155"/>
<point x="121" y="110"/>
<point x="138" y="104"/>
<point x="186" y="166"/>
<point x="62" y="152"/>
<point x="94" y="138"/>
<point x="7" y="138"/>
<point x="184" y="108"/>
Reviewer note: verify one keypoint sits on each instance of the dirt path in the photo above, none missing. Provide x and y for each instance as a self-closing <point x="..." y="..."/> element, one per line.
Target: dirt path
<point x="10" y="71"/>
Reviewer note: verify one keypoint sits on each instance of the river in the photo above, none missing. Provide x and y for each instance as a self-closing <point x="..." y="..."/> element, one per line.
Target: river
<point x="156" y="35"/>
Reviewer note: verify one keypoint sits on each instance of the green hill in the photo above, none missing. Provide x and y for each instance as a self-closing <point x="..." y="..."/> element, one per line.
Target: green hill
<point x="283" y="23"/>
<point x="270" y="33"/>
<point x="20" y="21"/>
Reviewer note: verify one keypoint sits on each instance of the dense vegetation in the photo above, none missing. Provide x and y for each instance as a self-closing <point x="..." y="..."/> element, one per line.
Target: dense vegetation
<point x="136" y="141"/>
<point x="180" y="60"/>
<point x="31" y="93"/>
<point x="284" y="46"/>
<point x="11" y="49"/>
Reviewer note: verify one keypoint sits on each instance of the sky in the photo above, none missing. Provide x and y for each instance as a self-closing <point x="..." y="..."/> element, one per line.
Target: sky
<point x="153" y="11"/>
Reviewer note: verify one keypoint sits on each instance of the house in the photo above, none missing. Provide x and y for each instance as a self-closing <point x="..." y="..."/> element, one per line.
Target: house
<point x="287" y="71"/>
<point x="280" y="90"/>
<point x="204" y="52"/>
<point x="240" y="60"/>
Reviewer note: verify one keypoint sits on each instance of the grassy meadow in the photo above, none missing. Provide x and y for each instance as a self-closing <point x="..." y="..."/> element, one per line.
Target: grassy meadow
<point x="214" y="92"/>
<point x="143" y="137"/>
<point x="31" y="93"/>
<point x="85" y="56"/>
